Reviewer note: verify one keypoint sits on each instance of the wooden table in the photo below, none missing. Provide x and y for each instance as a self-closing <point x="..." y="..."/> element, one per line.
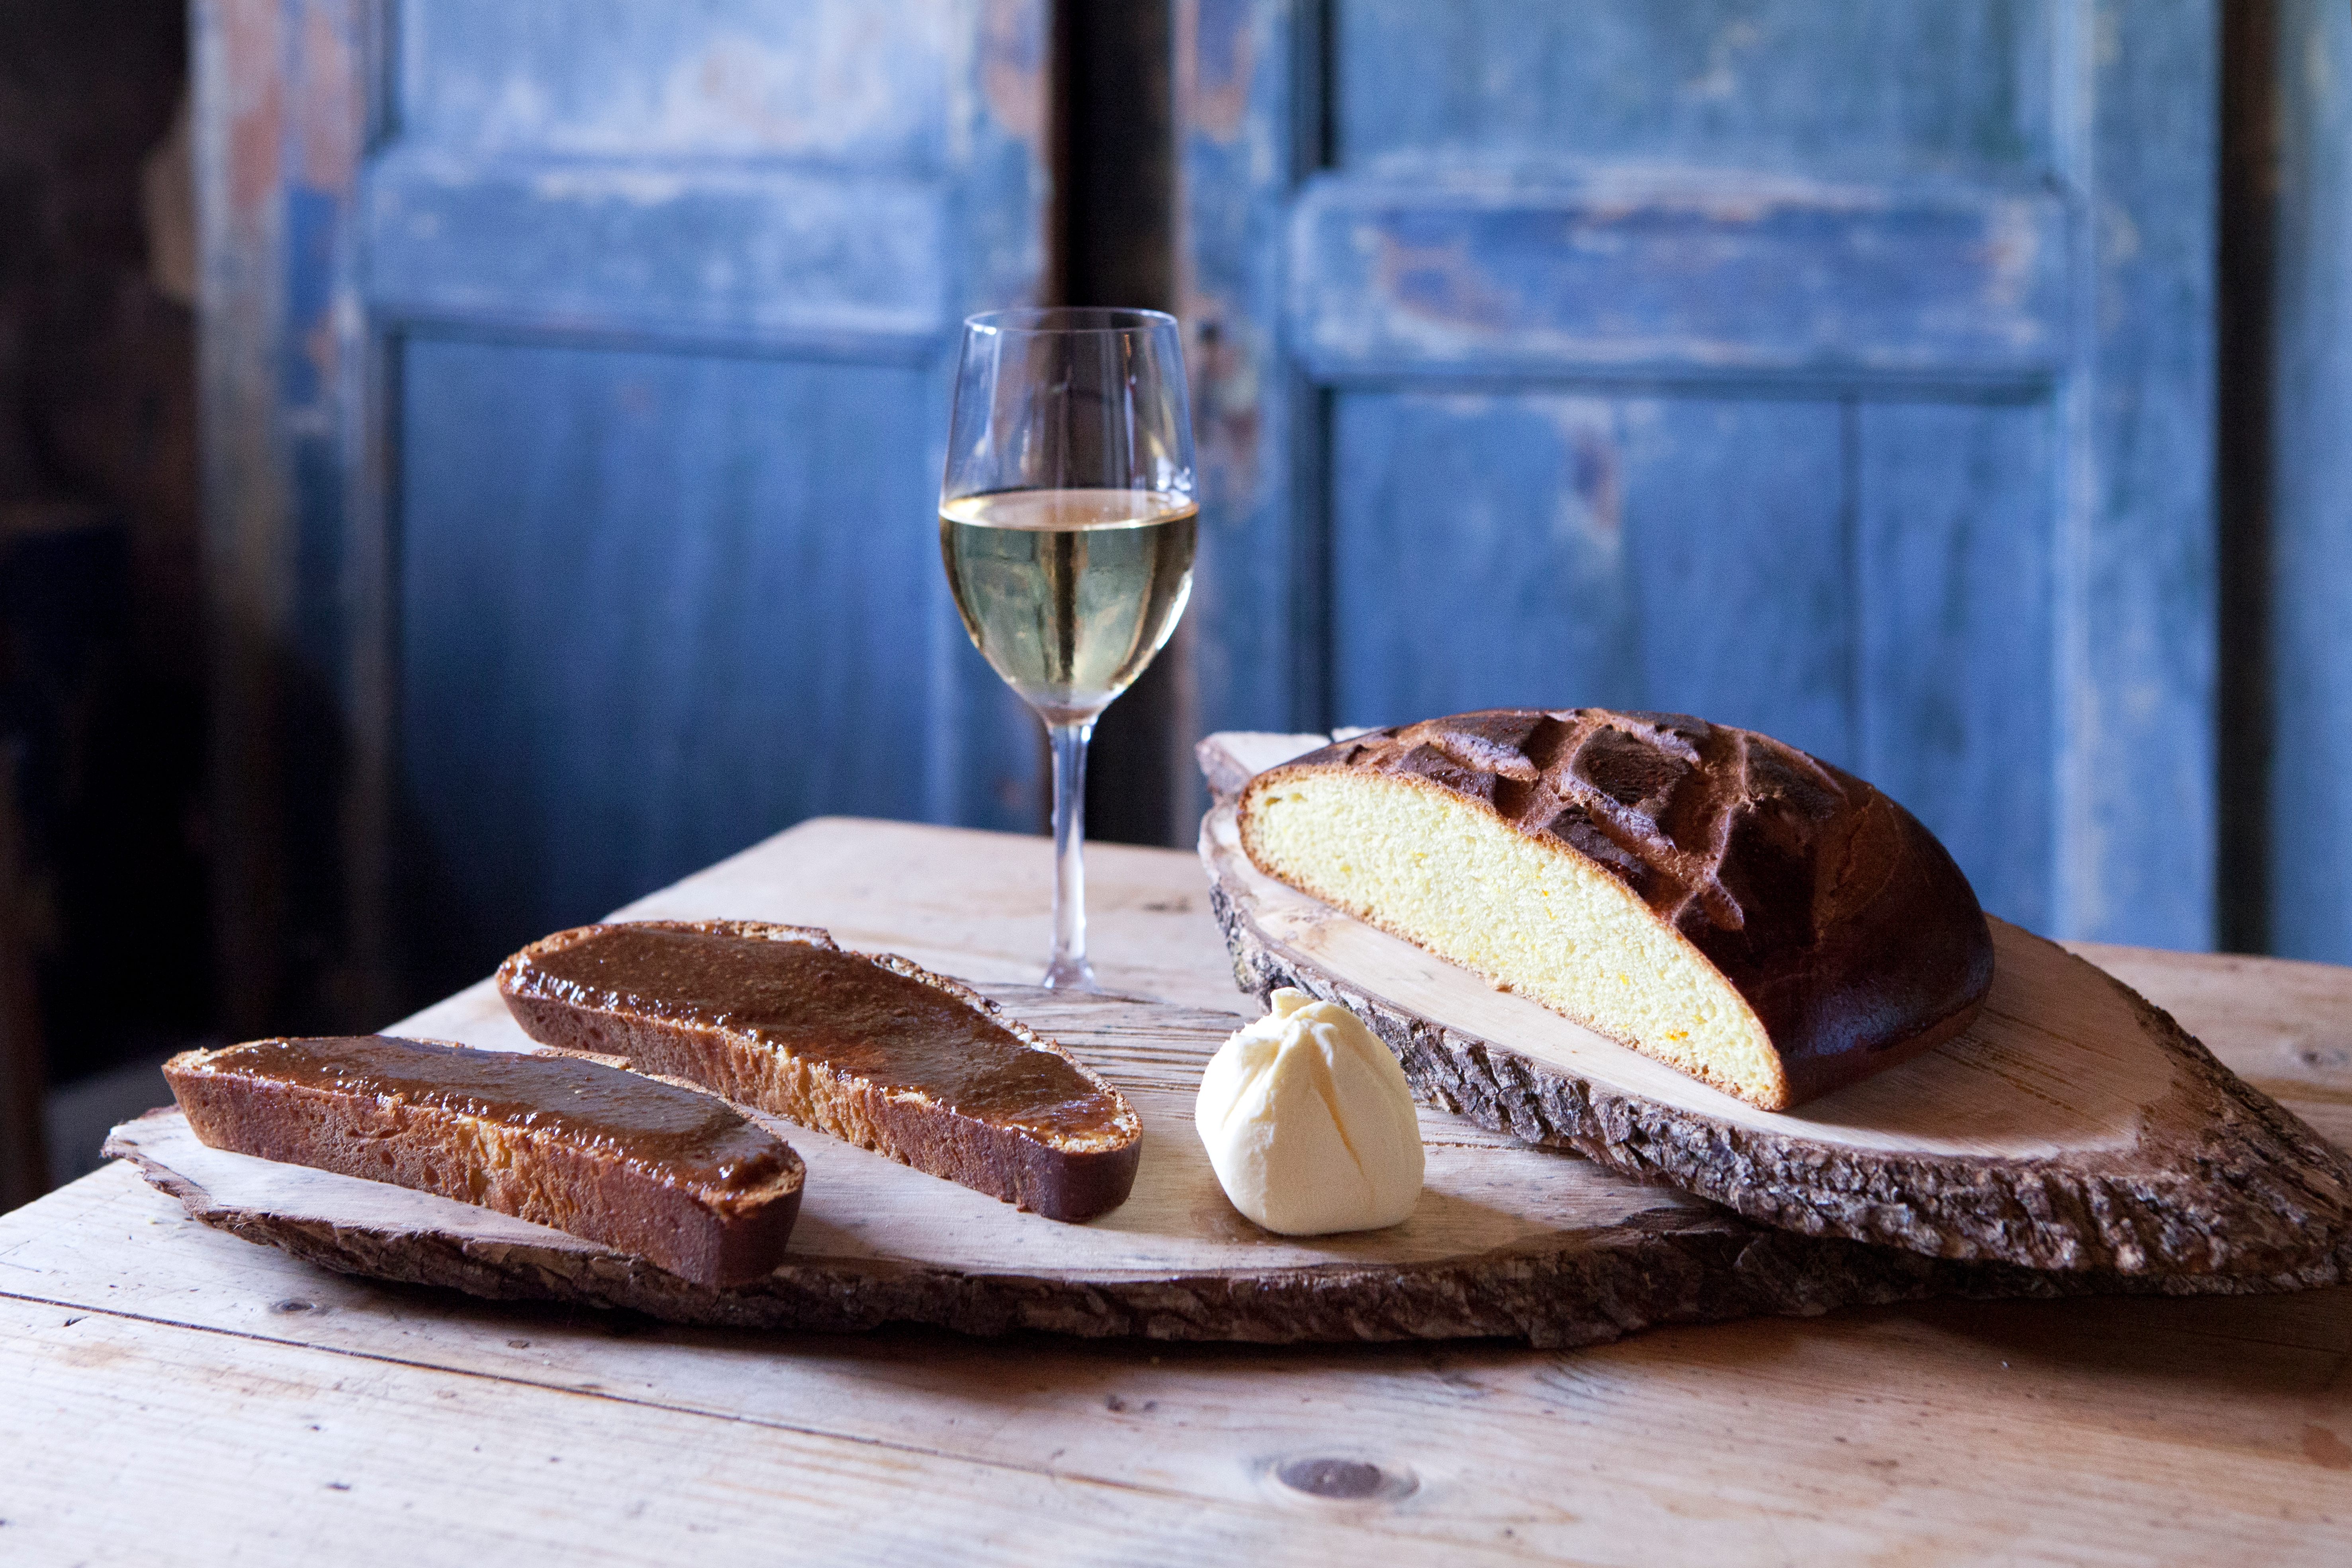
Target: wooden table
<point x="171" y="1393"/>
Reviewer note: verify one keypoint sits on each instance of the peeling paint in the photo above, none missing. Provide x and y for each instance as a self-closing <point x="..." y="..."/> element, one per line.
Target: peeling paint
<point x="1013" y="67"/>
<point x="255" y="110"/>
<point x="1217" y="56"/>
<point x="863" y="80"/>
<point x="1596" y="476"/>
<point x="329" y="116"/>
<point x="1442" y="282"/>
<point x="1228" y="423"/>
<point x="1721" y="78"/>
<point x="1516" y="197"/>
<point x="322" y="347"/>
<point x="2108" y="35"/>
<point x="1941" y="279"/>
<point x="639" y="186"/>
<point x="825" y="93"/>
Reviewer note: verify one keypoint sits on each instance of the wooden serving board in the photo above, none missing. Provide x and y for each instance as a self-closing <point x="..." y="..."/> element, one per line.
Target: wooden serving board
<point x="2074" y="1127"/>
<point x="1507" y="1240"/>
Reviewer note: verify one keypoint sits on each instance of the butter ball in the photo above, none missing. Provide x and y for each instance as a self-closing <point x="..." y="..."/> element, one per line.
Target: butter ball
<point x="1310" y="1122"/>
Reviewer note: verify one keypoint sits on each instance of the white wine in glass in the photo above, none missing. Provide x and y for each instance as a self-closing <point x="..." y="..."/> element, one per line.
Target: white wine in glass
<point x="1066" y="525"/>
<point x="1069" y="593"/>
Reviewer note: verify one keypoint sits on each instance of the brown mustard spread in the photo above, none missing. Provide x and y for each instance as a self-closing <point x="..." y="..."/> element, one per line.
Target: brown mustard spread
<point x="830" y="1007"/>
<point x="695" y="1139"/>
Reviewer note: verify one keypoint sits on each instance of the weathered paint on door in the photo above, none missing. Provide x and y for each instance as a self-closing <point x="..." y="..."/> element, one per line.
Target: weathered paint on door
<point x="600" y="353"/>
<point x="2309" y="813"/>
<point x="1844" y="370"/>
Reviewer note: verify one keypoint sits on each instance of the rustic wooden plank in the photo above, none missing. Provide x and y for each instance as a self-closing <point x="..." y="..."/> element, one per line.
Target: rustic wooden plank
<point x="2309" y="572"/>
<point x="1952" y="544"/>
<point x="1506" y="1240"/>
<point x="2127" y="1429"/>
<point x="2108" y="1427"/>
<point x="376" y="1462"/>
<point x="1677" y="275"/>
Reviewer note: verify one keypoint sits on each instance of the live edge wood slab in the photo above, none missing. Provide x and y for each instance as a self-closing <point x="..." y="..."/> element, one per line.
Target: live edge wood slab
<point x="2074" y="1127"/>
<point x="1506" y="1241"/>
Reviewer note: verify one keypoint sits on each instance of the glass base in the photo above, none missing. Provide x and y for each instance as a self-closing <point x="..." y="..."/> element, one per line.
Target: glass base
<point x="1070" y="975"/>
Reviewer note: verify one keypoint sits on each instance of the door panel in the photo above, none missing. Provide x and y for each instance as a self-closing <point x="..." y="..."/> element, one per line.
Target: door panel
<point x="1667" y="273"/>
<point x="1787" y="83"/>
<point x="868" y="82"/>
<point x="1954" y="552"/>
<point x="1692" y="549"/>
<point x="1753" y="358"/>
<point x="595" y="359"/>
<point x="1451" y="591"/>
<point x="779" y="259"/>
<point x="1737" y="552"/>
<point x="666" y="293"/>
<point x="641" y="591"/>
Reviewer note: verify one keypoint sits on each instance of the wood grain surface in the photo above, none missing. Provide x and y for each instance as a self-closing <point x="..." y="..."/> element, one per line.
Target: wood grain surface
<point x="169" y="1393"/>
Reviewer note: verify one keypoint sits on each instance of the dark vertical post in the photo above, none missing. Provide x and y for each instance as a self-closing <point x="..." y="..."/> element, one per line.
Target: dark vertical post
<point x="24" y="1151"/>
<point x="2249" y="209"/>
<point x="1115" y="246"/>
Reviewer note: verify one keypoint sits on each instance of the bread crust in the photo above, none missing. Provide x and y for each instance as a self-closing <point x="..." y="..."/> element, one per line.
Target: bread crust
<point x="707" y="1234"/>
<point x="1839" y="918"/>
<point x="1061" y="1178"/>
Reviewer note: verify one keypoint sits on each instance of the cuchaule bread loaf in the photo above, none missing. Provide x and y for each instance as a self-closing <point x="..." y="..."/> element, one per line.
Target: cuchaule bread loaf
<point x="866" y="1047"/>
<point x="1709" y="896"/>
<point x="661" y="1170"/>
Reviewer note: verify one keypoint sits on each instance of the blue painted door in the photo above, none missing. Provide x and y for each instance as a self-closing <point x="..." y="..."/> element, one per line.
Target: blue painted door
<point x="657" y="300"/>
<point x="1842" y="370"/>
<point x="2308" y="729"/>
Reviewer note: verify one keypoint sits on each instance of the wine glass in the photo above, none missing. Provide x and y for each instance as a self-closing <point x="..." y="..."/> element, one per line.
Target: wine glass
<point x="1066" y="522"/>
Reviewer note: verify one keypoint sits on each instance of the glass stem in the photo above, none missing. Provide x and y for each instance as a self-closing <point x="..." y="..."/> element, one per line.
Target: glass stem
<point x="1070" y="971"/>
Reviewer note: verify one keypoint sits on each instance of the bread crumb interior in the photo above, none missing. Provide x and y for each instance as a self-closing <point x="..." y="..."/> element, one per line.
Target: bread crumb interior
<point x="1534" y="917"/>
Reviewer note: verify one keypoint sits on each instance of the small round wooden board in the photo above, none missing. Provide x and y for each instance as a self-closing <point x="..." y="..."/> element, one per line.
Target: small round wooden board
<point x="2074" y="1127"/>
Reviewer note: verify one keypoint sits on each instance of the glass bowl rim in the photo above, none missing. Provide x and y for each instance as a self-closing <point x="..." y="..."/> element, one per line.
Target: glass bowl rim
<point x="1042" y="320"/>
